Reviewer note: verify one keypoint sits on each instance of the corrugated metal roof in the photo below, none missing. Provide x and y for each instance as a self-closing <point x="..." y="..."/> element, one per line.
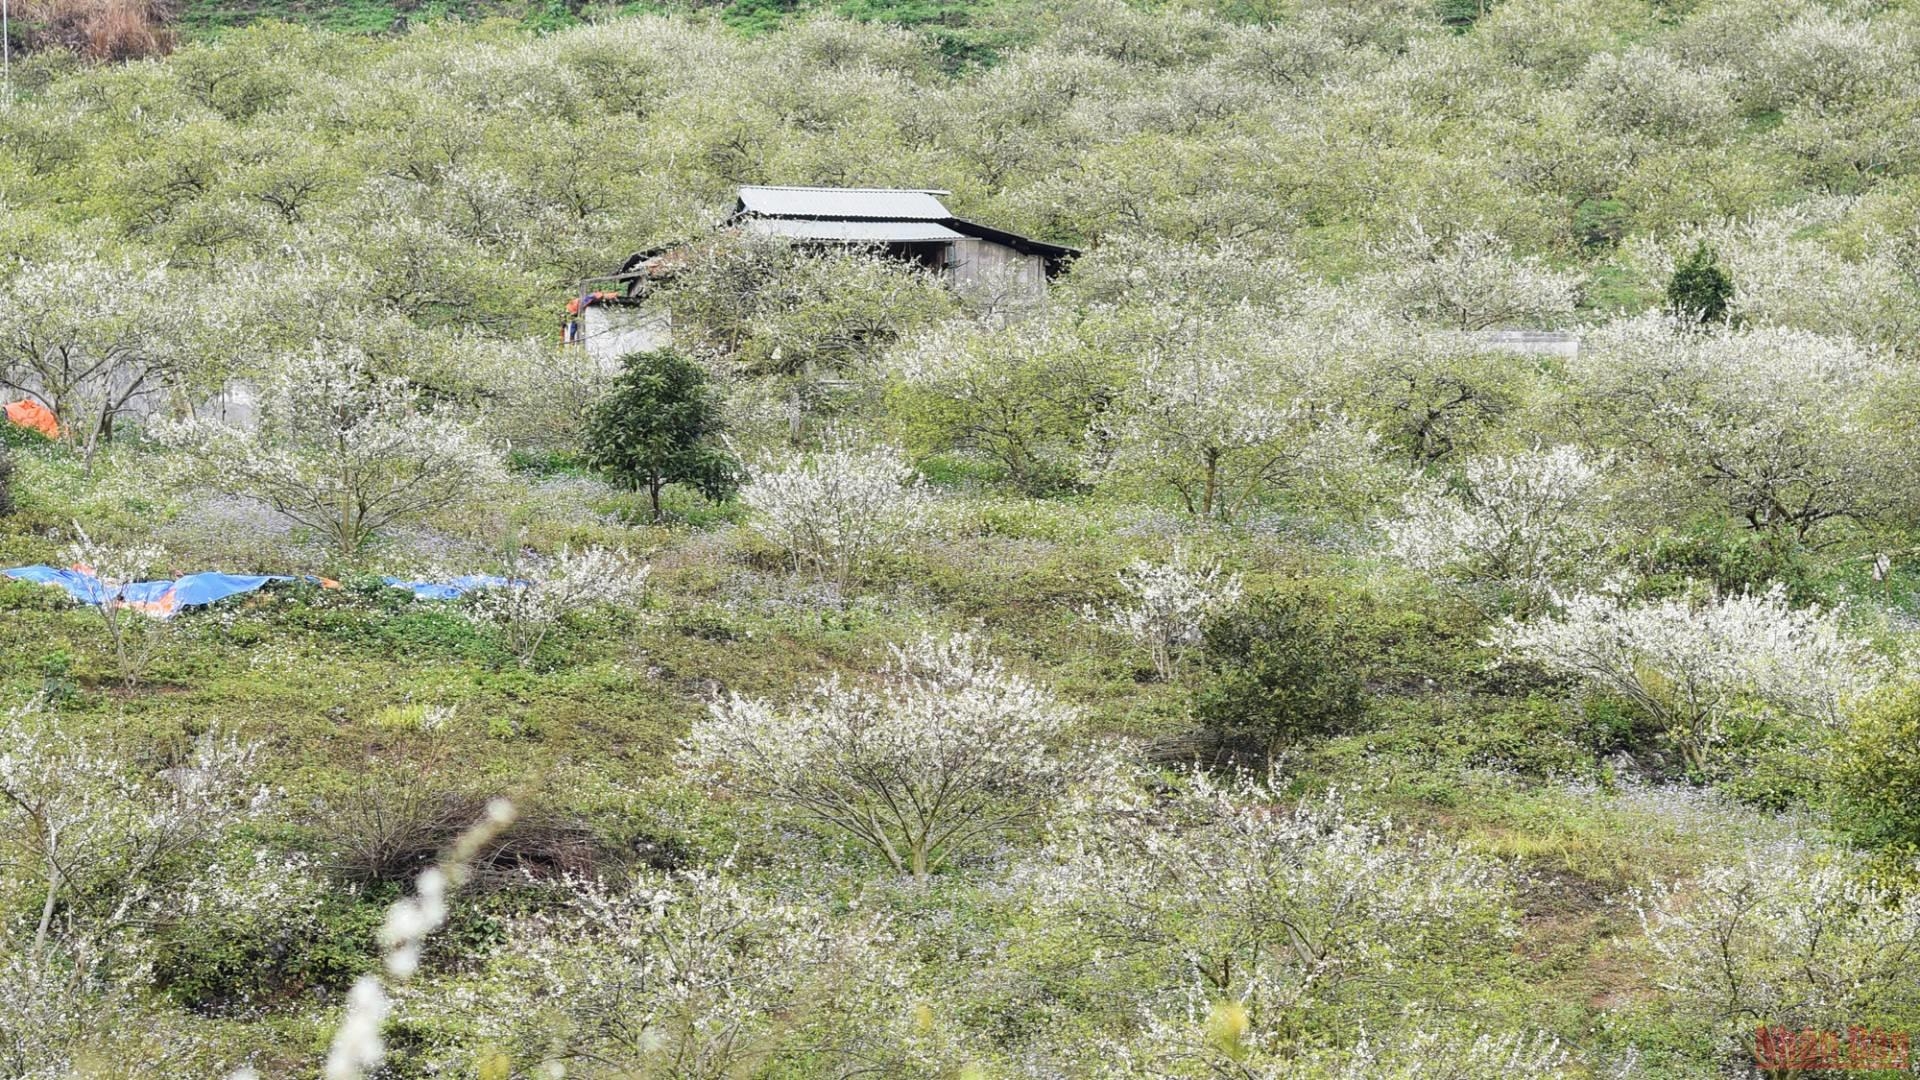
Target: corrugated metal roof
<point x="889" y="204"/>
<point x="853" y="232"/>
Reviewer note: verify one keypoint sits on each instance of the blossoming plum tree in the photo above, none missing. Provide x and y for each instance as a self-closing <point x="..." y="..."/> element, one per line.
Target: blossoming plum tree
<point x="343" y="450"/>
<point x="1523" y="522"/>
<point x="1692" y="665"/>
<point x="1286" y="910"/>
<point x="1168" y="605"/>
<point x="525" y="610"/>
<point x="834" y="511"/>
<point x="947" y="750"/>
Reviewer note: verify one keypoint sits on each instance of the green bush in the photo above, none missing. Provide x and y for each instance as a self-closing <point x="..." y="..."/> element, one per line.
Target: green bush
<point x="1700" y="290"/>
<point x="1277" y="673"/>
<point x="1876" y="773"/>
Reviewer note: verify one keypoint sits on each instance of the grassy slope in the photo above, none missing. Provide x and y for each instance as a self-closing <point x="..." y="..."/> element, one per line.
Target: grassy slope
<point x="951" y="22"/>
<point x="324" y="677"/>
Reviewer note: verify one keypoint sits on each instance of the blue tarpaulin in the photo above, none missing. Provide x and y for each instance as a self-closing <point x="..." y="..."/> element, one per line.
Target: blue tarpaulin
<point x="161" y="598"/>
<point x="166" y="598"/>
<point x="451" y="589"/>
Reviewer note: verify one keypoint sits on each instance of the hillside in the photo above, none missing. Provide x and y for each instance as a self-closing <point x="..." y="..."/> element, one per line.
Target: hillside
<point x="1247" y="662"/>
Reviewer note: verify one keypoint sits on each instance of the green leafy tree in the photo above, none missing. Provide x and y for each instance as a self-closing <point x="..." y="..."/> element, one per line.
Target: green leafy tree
<point x="1279" y="673"/>
<point x="661" y="425"/>
<point x="1700" y="289"/>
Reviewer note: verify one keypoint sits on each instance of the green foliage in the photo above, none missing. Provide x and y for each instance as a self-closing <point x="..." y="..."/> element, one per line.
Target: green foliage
<point x="1875" y="773"/>
<point x="248" y="958"/>
<point x="661" y="425"/>
<point x="1278" y="672"/>
<point x="1700" y="289"/>
<point x="1729" y="558"/>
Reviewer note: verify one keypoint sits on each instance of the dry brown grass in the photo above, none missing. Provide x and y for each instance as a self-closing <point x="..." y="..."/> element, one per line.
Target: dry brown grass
<point x="99" y="29"/>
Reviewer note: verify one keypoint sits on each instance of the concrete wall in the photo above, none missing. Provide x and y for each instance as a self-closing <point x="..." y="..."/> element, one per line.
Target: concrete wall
<point x="1532" y="342"/>
<point x="611" y="331"/>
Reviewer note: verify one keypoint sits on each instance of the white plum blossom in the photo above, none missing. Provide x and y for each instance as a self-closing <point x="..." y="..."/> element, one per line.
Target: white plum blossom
<point x="135" y="636"/>
<point x="1167" y="605"/>
<point x="1788" y="934"/>
<point x="1288" y="909"/>
<point x="1217" y="1039"/>
<point x="1781" y="426"/>
<point x="1472" y="281"/>
<point x="535" y="598"/>
<point x="833" y="511"/>
<point x="1215" y="415"/>
<point x="689" y="974"/>
<point x="1692" y="664"/>
<point x="1525" y="522"/>
<point x="358" y="1046"/>
<point x="947" y="749"/>
<point x="342" y="449"/>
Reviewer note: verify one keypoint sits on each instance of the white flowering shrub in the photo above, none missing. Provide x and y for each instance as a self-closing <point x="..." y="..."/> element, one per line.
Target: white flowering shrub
<point x="687" y="975"/>
<point x="96" y="850"/>
<point x="946" y="750"/>
<point x="1021" y="395"/>
<point x="1648" y="92"/>
<point x="1212" y="1041"/>
<point x="342" y="449"/>
<point x="1290" y="910"/>
<point x="834" y="511"/>
<point x="1167" y="605"/>
<point x="525" y="610"/>
<point x="1524" y="522"/>
<point x="1789" y="935"/>
<point x="81" y="821"/>
<point x="1694" y="665"/>
<point x="135" y="636"/>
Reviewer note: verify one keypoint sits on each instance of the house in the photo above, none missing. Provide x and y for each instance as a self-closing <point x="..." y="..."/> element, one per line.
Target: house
<point x="910" y="224"/>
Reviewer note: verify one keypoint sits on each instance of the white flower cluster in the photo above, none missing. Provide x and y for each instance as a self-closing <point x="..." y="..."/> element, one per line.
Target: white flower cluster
<point x="1692" y="664"/>
<point x="1168" y="604"/>
<point x="1789" y="933"/>
<point x="1525" y="522"/>
<point x="342" y="449"/>
<point x="1471" y="281"/>
<point x="949" y="749"/>
<point x="835" y="510"/>
<point x="1287" y="910"/>
<point x="525" y="610"/>
<point x="688" y="974"/>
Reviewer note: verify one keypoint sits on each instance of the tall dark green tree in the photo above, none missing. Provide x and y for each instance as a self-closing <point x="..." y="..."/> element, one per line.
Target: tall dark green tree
<point x="1700" y="288"/>
<point x="661" y="425"/>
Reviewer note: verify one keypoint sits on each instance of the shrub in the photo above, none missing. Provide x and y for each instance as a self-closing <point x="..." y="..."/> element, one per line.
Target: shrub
<point x="949" y="751"/>
<point x="1876" y="772"/>
<point x="524" y="613"/>
<point x="833" y="512"/>
<point x="1700" y="290"/>
<point x="1701" y="668"/>
<point x="1277" y="672"/>
<point x="1167" y="604"/>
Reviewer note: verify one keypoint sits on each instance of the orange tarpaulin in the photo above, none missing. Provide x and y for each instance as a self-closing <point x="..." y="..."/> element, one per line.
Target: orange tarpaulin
<point x="32" y="414"/>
